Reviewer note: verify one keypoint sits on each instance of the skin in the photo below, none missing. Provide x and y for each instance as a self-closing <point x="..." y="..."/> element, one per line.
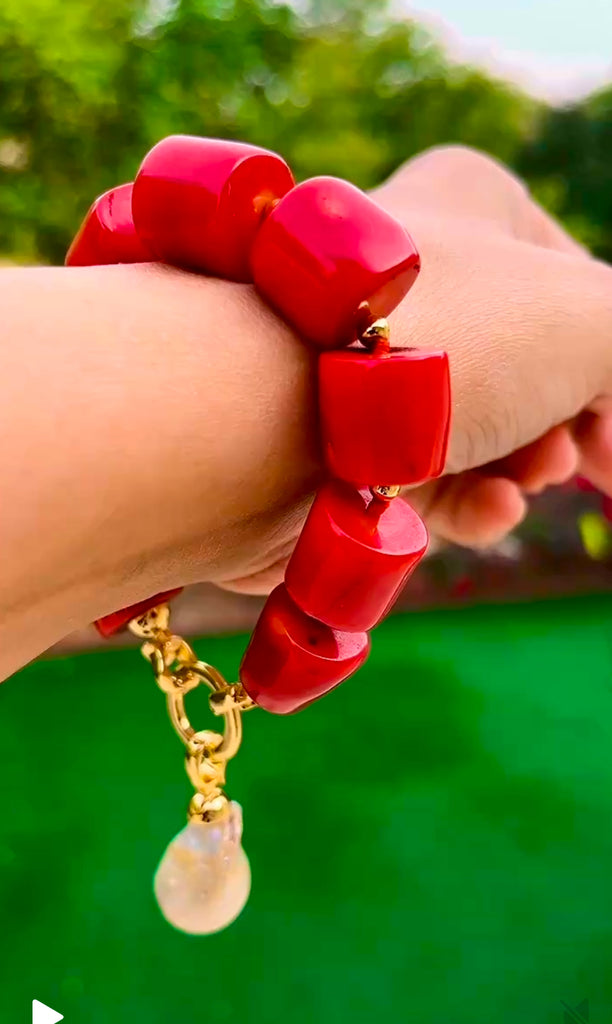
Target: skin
<point x="157" y="428"/>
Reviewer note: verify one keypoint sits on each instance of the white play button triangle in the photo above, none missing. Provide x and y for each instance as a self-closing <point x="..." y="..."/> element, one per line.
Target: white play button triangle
<point x="42" y="1014"/>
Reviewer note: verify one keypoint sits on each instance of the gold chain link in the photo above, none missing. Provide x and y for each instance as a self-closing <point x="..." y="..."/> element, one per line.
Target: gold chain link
<point x="177" y="671"/>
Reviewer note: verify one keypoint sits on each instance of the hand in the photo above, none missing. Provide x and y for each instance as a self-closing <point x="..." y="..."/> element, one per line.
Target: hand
<point x="526" y="316"/>
<point x="158" y="428"/>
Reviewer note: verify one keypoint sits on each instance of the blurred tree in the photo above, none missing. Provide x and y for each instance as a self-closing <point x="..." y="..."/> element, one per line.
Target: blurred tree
<point x="568" y="160"/>
<point x="339" y="87"/>
<point x="61" y="68"/>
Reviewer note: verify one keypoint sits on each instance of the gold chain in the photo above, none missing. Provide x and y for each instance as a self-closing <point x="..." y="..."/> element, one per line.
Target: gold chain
<point x="177" y="671"/>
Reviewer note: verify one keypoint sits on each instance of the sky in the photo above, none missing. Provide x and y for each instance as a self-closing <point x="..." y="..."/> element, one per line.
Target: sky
<point x="557" y="49"/>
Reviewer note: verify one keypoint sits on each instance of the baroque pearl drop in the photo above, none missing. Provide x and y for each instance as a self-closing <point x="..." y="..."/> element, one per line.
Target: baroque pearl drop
<point x="204" y="878"/>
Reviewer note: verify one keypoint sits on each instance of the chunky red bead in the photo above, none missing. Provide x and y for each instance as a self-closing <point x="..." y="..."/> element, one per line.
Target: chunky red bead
<point x="292" y="659"/>
<point x="116" y="621"/>
<point x="326" y="249"/>
<point x="585" y="485"/>
<point x="384" y="417"/>
<point x="353" y="557"/>
<point x="108" y="235"/>
<point x="199" y="202"/>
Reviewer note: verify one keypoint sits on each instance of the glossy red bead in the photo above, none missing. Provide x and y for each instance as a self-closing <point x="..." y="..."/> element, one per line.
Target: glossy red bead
<point x="116" y="621"/>
<point x="325" y="249"/>
<point x="353" y="557"/>
<point x="292" y="659"/>
<point x="585" y="485"/>
<point x="108" y="235"/>
<point x="384" y="417"/>
<point x="199" y="202"/>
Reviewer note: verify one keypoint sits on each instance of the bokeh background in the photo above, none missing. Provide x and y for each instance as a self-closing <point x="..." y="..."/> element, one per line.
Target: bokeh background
<point x="444" y="858"/>
<point x="348" y="87"/>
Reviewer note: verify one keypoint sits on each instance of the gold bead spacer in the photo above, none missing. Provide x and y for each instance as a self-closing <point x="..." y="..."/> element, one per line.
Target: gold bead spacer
<point x="151" y="623"/>
<point x="385" y="492"/>
<point x="233" y="698"/>
<point x="204" y="809"/>
<point x="376" y="335"/>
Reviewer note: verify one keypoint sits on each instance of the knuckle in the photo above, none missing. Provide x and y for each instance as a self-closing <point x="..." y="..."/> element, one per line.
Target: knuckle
<point x="455" y="170"/>
<point x="465" y="162"/>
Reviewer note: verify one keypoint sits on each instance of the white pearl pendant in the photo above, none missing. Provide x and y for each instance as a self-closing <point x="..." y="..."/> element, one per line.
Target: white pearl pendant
<point x="204" y="878"/>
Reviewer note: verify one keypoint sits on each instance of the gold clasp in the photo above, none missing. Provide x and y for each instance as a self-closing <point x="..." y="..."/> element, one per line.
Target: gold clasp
<point x="231" y="739"/>
<point x="178" y="671"/>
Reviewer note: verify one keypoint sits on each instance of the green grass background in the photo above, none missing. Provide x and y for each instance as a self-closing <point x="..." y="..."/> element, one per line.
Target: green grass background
<point x="431" y="843"/>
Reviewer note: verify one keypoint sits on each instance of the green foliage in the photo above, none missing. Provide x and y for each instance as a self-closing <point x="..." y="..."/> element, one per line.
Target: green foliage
<point x="569" y="162"/>
<point x="338" y="87"/>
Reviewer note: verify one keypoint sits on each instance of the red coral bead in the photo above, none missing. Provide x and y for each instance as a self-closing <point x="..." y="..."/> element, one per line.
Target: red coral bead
<point x="293" y="660"/>
<point x="114" y="623"/>
<point x="384" y="417"/>
<point x="353" y="557"/>
<point x="584" y="485"/>
<point x="199" y="202"/>
<point x="108" y="235"/>
<point x="325" y="249"/>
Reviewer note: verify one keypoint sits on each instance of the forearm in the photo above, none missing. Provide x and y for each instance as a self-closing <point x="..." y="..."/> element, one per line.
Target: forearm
<point x="147" y="415"/>
<point x="157" y="427"/>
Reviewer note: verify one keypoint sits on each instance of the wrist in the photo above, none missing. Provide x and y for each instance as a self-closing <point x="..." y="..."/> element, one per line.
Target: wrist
<point x="219" y="442"/>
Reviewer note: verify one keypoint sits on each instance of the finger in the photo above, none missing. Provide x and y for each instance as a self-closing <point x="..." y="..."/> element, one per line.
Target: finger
<point x="471" y="509"/>
<point x="552" y="459"/>
<point x="594" y="439"/>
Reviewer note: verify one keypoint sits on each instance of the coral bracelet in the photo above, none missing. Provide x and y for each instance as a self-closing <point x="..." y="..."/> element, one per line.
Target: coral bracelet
<point x="334" y="265"/>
